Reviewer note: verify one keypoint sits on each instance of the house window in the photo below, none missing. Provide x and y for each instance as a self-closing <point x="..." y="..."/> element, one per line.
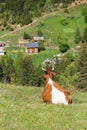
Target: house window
<point x="30" y="50"/>
<point x="35" y="50"/>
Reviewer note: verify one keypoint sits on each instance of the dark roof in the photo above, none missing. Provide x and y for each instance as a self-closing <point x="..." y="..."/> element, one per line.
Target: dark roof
<point x="32" y="45"/>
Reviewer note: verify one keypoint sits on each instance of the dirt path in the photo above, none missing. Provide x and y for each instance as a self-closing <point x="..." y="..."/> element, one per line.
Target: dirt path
<point x="25" y="26"/>
<point x="12" y="32"/>
<point x="34" y="21"/>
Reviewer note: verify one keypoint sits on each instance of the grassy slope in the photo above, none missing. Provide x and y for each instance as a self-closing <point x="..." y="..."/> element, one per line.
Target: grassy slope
<point x="51" y="29"/>
<point x="21" y="108"/>
<point x="75" y="18"/>
<point x="52" y="26"/>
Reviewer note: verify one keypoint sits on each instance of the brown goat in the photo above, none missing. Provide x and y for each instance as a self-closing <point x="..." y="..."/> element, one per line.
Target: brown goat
<point x="53" y="93"/>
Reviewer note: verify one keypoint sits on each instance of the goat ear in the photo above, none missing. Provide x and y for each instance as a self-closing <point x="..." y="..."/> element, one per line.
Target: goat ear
<point x="53" y="73"/>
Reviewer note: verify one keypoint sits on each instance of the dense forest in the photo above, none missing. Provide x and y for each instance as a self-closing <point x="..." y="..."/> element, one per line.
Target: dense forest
<point x="23" y="11"/>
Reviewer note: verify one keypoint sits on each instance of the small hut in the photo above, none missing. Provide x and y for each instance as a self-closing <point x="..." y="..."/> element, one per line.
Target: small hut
<point x="32" y="48"/>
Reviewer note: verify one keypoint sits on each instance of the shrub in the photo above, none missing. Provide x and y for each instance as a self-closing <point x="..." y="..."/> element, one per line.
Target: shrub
<point x="27" y="36"/>
<point x="71" y="55"/>
<point x="39" y="32"/>
<point x="65" y="5"/>
<point x="85" y="17"/>
<point x="41" y="24"/>
<point x="10" y="28"/>
<point x="63" y="47"/>
<point x="4" y="23"/>
<point x="37" y="13"/>
<point x="41" y="46"/>
<point x="64" y="21"/>
<point x="26" y="20"/>
<point x="84" y="12"/>
<point x="85" y="34"/>
<point x="66" y="10"/>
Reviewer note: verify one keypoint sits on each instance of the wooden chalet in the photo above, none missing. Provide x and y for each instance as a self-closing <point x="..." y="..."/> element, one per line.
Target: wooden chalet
<point x="32" y="48"/>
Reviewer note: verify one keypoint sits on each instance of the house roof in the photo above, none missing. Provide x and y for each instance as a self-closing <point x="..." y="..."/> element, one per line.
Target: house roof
<point x="38" y="38"/>
<point x="32" y="45"/>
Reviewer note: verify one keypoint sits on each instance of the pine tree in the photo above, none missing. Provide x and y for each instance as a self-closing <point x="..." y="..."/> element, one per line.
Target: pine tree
<point x="85" y="34"/>
<point x="26" y="36"/>
<point x="27" y="75"/>
<point x="7" y="67"/>
<point x="85" y="17"/>
<point x="78" y="37"/>
<point x="82" y="67"/>
<point x="1" y="73"/>
<point x="84" y="12"/>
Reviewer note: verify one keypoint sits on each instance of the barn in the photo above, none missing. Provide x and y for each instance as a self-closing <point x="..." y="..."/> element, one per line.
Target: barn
<point x="32" y="48"/>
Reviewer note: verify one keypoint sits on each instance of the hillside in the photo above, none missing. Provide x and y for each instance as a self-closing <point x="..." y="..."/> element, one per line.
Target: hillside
<point x="51" y="26"/>
<point x="23" y="12"/>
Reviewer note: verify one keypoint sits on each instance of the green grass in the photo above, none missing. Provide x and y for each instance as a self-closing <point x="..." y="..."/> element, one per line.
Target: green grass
<point x="22" y="108"/>
<point x="40" y="57"/>
<point x="53" y="27"/>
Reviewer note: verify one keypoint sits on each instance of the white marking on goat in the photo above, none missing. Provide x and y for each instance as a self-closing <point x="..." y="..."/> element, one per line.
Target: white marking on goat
<point x="57" y="95"/>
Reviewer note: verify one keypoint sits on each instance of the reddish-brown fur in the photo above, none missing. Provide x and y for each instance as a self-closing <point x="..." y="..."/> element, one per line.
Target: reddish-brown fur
<point x="47" y="94"/>
<point x="48" y="88"/>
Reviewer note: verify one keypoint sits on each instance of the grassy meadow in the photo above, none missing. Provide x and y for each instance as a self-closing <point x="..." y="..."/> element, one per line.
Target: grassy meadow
<point x="22" y="108"/>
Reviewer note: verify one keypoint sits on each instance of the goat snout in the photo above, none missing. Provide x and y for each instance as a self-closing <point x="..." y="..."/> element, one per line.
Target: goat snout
<point x="70" y="101"/>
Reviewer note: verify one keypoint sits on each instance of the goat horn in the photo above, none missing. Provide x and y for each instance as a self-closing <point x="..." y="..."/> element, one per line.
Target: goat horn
<point x="52" y="68"/>
<point x="43" y="69"/>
